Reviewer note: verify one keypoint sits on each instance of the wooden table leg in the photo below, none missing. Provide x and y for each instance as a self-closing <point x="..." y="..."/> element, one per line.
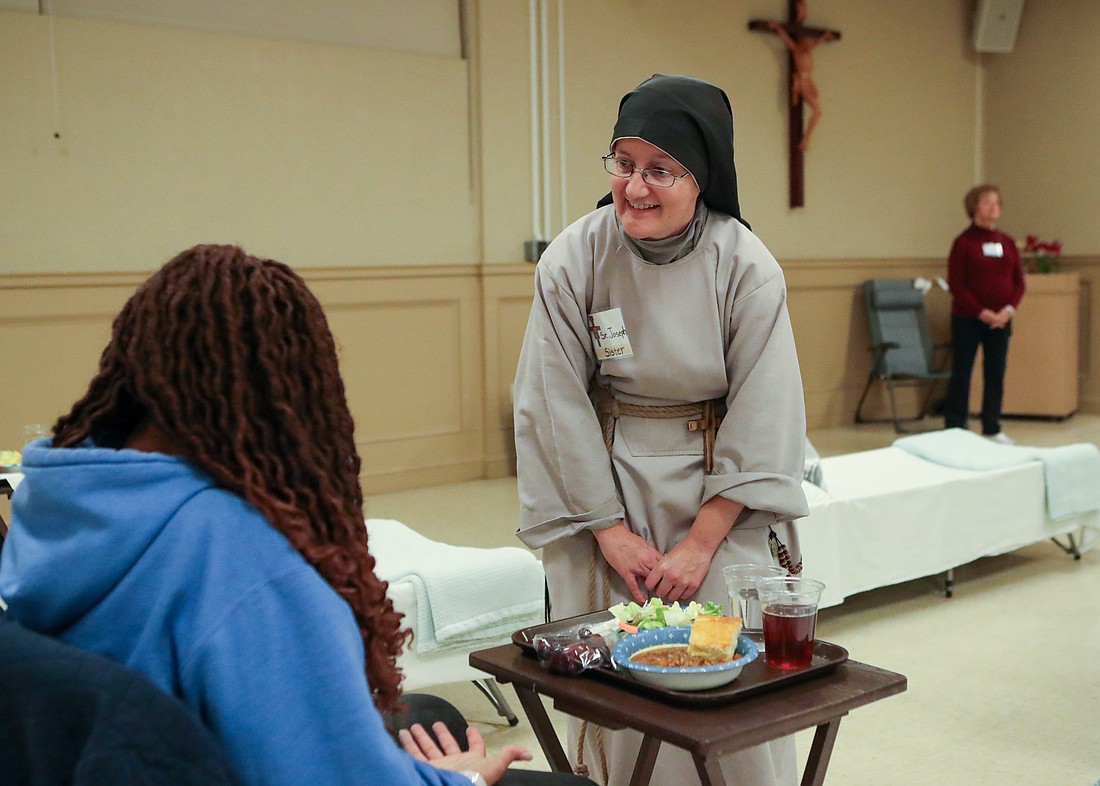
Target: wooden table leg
<point x="709" y="769"/>
<point x="820" y="751"/>
<point x="647" y="756"/>
<point x="544" y="729"/>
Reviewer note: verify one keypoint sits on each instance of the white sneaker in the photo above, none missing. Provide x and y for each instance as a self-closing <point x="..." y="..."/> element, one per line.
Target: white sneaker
<point x="1000" y="438"/>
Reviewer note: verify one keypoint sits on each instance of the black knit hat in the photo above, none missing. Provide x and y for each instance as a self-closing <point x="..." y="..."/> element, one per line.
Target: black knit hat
<point x="692" y="121"/>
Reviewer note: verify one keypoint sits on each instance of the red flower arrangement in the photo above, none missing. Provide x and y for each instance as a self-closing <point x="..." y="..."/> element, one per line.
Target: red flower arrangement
<point x="1041" y="256"/>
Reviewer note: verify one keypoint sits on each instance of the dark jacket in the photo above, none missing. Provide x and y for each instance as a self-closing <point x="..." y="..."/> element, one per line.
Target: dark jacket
<point x="72" y="717"/>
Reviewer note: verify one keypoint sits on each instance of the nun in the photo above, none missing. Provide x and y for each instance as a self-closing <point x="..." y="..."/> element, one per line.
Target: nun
<point x="659" y="417"/>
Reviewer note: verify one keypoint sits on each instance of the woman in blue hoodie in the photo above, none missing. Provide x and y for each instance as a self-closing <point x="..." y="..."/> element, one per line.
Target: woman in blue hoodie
<point x="197" y="516"/>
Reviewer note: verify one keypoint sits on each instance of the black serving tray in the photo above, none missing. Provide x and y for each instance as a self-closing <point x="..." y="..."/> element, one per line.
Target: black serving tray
<point x="755" y="678"/>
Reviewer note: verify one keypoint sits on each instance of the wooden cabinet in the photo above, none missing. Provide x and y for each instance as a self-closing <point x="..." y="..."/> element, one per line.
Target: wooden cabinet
<point x="1042" y="375"/>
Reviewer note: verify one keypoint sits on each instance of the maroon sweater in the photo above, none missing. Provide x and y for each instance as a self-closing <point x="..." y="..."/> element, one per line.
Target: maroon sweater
<point x="979" y="280"/>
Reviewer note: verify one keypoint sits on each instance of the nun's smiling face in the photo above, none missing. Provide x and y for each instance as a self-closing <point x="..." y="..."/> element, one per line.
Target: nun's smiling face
<point x="648" y="212"/>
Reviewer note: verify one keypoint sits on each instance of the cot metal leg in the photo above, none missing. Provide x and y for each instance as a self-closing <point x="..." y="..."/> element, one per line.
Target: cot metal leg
<point x="949" y="583"/>
<point x="1070" y="547"/>
<point x="492" y="692"/>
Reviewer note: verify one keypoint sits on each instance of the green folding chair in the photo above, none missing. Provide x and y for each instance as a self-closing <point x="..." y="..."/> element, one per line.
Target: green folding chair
<point x="902" y="346"/>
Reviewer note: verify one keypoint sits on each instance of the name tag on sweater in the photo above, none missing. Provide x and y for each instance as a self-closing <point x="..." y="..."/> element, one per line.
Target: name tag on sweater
<point x="609" y="335"/>
<point x="993" y="249"/>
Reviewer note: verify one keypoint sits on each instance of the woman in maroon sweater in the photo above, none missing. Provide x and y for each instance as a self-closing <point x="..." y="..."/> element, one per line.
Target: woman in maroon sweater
<point x="987" y="283"/>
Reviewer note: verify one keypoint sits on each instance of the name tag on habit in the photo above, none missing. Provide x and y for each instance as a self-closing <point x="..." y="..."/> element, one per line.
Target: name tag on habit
<point x="609" y="335"/>
<point x="993" y="249"/>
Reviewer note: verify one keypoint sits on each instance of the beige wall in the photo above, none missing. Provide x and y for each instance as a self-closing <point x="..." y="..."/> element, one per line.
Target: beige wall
<point x="426" y="366"/>
<point x="1041" y="126"/>
<point x="898" y="94"/>
<point x="317" y="154"/>
<point x="400" y="184"/>
<point x="1043" y="122"/>
<point x="1088" y="267"/>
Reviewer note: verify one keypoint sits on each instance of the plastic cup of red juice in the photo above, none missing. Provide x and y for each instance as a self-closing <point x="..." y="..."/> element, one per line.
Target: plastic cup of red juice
<point x="789" y="607"/>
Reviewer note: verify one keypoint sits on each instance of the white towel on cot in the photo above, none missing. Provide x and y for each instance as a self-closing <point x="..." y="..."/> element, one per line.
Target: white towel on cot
<point x="1071" y="473"/>
<point x="464" y="596"/>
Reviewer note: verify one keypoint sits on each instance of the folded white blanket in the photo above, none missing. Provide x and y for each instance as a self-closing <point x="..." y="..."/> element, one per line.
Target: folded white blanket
<point x="1071" y="472"/>
<point x="465" y="596"/>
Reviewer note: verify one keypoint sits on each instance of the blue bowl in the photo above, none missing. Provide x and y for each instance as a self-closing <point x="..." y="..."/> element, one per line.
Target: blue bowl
<point x="683" y="677"/>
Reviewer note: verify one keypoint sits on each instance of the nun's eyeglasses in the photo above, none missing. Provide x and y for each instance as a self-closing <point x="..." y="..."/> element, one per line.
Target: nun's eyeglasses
<point x="655" y="176"/>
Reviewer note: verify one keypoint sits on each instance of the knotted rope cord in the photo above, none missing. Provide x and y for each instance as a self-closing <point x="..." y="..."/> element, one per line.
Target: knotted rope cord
<point x="597" y="557"/>
<point x="704" y="413"/>
<point x="612" y="409"/>
<point x="609" y="410"/>
<point x="780" y="552"/>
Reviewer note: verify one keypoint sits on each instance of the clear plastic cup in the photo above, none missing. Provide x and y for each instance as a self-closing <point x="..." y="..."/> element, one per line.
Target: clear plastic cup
<point x="789" y="607"/>
<point x="744" y="602"/>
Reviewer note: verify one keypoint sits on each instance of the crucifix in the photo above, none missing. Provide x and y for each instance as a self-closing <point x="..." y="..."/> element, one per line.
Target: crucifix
<point x="800" y="41"/>
<point x="594" y="329"/>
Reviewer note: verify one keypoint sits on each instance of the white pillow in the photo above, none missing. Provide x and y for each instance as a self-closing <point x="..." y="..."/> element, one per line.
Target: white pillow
<point x="811" y="467"/>
<point x="815" y="495"/>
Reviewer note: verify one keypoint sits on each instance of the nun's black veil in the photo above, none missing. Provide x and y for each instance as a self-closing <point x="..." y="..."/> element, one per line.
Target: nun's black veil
<point x="692" y="121"/>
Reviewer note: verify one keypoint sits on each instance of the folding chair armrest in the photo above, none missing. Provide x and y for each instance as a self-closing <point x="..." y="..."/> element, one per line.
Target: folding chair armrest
<point x="882" y="348"/>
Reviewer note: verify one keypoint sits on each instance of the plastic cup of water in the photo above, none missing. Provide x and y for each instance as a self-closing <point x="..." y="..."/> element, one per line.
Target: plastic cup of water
<point x="744" y="602"/>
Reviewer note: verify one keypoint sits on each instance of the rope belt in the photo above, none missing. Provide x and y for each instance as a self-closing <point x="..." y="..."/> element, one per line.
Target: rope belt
<point x="597" y="731"/>
<point x="704" y="417"/>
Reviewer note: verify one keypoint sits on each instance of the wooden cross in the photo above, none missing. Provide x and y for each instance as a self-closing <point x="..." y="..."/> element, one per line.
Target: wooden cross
<point x="800" y="41"/>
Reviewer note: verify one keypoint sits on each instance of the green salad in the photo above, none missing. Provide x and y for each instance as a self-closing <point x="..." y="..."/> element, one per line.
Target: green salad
<point x="657" y="614"/>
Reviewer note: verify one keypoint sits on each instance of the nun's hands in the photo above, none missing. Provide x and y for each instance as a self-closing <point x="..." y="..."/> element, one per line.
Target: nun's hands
<point x="680" y="572"/>
<point x="629" y="555"/>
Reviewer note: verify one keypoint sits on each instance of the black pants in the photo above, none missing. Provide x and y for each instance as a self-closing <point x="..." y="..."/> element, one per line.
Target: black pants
<point x="966" y="335"/>
<point x="426" y="710"/>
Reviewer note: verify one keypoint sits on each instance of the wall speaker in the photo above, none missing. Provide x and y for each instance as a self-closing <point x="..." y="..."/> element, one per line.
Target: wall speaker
<point x="995" y="24"/>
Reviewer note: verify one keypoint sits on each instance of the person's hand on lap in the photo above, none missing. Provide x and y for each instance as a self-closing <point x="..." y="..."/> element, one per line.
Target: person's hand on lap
<point x="447" y="755"/>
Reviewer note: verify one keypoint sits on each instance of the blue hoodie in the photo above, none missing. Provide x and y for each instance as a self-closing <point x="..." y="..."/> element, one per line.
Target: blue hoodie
<point x="139" y="557"/>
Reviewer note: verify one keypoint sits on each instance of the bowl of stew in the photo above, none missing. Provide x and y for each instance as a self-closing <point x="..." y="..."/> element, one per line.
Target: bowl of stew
<point x="658" y="656"/>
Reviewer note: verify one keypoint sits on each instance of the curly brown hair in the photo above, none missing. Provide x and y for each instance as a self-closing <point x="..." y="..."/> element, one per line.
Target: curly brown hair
<point x="232" y="359"/>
